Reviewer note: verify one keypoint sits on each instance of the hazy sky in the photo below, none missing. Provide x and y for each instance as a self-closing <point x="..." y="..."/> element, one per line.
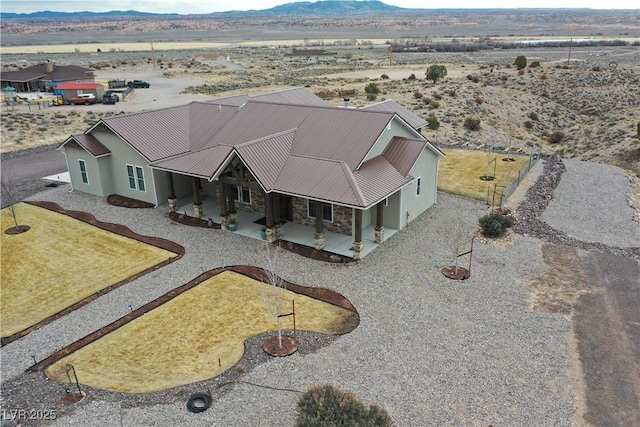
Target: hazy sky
<point x="208" y="6"/>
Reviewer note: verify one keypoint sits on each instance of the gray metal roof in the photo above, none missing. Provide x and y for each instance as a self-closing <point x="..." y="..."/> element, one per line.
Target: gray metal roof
<point x="311" y="151"/>
<point x="89" y="143"/>
<point x="407" y="115"/>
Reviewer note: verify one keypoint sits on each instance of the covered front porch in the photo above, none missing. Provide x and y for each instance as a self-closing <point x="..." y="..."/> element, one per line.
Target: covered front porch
<point x="252" y="224"/>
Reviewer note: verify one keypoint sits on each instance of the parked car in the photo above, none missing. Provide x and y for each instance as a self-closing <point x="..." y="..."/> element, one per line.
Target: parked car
<point x="138" y="84"/>
<point x="83" y="98"/>
<point x="110" y="98"/>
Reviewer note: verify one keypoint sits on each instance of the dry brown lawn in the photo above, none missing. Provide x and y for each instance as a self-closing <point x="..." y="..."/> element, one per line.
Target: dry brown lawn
<point x="181" y="341"/>
<point x="459" y="173"/>
<point x="59" y="262"/>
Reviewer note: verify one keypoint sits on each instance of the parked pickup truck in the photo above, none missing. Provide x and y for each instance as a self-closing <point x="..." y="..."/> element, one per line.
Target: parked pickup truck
<point x="110" y="98"/>
<point x="84" y="98"/>
<point x="138" y="84"/>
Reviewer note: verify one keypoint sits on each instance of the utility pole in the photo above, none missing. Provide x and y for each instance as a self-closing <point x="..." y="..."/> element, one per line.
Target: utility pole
<point x="390" y="53"/>
<point x="570" y="45"/>
<point x="153" y="55"/>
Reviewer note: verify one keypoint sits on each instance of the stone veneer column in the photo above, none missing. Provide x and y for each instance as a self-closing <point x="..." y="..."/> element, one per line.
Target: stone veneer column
<point x="278" y="230"/>
<point x="357" y="250"/>
<point x="379" y="235"/>
<point x="271" y="234"/>
<point x="197" y="210"/>
<point x="319" y="241"/>
<point x="173" y="204"/>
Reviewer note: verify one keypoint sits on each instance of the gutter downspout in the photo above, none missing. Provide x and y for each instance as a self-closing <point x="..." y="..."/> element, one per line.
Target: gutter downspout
<point x="155" y="192"/>
<point x="66" y="159"/>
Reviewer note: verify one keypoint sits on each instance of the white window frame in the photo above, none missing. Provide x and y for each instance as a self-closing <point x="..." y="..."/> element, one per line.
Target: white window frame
<point x="239" y="196"/>
<point x="135" y="176"/>
<point x="330" y="205"/>
<point x="84" y="173"/>
<point x="418" y="186"/>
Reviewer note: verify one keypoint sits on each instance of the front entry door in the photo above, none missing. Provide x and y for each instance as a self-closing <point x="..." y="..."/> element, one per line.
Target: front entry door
<point x="286" y="208"/>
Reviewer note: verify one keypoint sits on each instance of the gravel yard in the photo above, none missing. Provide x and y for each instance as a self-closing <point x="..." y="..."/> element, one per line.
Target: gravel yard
<point x="429" y="350"/>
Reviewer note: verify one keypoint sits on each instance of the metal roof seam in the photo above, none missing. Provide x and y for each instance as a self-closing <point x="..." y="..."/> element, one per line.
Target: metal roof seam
<point x="354" y="185"/>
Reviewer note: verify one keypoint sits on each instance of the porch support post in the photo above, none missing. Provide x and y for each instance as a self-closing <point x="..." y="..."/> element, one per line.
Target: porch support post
<point x="173" y="200"/>
<point x="358" y="245"/>
<point x="231" y="205"/>
<point x="379" y="233"/>
<point x="268" y="212"/>
<point x="319" y="236"/>
<point x="277" y="220"/>
<point x="224" y="211"/>
<point x="197" y="201"/>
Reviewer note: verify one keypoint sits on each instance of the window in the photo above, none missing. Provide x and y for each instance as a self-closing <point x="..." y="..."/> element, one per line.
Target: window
<point x="83" y="172"/>
<point x="243" y="194"/>
<point x="418" y="184"/>
<point x="136" y="177"/>
<point x="327" y="210"/>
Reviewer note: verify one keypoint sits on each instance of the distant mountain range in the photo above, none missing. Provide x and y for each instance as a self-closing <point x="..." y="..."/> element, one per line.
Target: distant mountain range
<point x="325" y="7"/>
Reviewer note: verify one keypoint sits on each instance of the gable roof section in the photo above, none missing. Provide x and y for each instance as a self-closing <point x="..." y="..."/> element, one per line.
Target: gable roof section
<point x="407" y="115"/>
<point x="297" y="96"/>
<point x="266" y="157"/>
<point x="89" y="143"/>
<point x="68" y="86"/>
<point x="207" y="119"/>
<point x="156" y="134"/>
<point x="377" y="178"/>
<point x="203" y="163"/>
<point x="402" y="153"/>
<point x="319" y="179"/>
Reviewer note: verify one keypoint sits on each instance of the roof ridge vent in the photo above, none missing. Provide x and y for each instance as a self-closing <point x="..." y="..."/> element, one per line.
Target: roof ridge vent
<point x="241" y="106"/>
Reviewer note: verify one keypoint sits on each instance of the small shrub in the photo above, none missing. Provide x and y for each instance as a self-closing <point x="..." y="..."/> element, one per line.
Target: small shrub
<point x="384" y="77"/>
<point x="495" y="224"/>
<point x="533" y="116"/>
<point x="472" y="123"/>
<point x="520" y="72"/>
<point x="426" y="100"/>
<point x="433" y="122"/>
<point x="325" y="405"/>
<point x="371" y="97"/>
<point x="437" y="96"/>
<point x="520" y="62"/>
<point x="417" y="95"/>
<point x="528" y="124"/>
<point x="534" y="64"/>
<point x="543" y="76"/>
<point x="504" y="77"/>
<point x="596" y="68"/>
<point x="479" y="100"/>
<point x="434" y="104"/>
<point x="556" y="137"/>
<point x="452" y="93"/>
<point x="473" y="77"/>
<point x="412" y="77"/>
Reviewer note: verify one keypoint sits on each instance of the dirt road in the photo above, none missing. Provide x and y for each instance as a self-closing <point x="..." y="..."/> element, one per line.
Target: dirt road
<point x="607" y="327"/>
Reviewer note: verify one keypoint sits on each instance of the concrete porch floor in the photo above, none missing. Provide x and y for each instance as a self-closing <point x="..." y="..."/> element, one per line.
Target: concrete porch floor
<point x="336" y="243"/>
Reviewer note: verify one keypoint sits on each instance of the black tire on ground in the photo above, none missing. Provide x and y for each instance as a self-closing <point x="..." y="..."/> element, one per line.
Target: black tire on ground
<point x="87" y="103"/>
<point x="199" y="402"/>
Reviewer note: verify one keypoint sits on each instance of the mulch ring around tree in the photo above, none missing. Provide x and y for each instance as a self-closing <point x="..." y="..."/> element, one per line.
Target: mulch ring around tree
<point x="18" y="229"/>
<point x="273" y="348"/>
<point x="458" y="273"/>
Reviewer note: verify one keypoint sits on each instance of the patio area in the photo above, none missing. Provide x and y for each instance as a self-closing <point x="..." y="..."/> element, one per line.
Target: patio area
<point x="247" y="224"/>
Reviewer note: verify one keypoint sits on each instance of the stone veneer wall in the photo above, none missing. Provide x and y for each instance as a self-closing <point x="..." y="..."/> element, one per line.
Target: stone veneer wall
<point x="342" y="217"/>
<point x="257" y="201"/>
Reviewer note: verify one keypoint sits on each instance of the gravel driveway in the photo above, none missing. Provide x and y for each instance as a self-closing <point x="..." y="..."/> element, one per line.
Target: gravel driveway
<point x="431" y="351"/>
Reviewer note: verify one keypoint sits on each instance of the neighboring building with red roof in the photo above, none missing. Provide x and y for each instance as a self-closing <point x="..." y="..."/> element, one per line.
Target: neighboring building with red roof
<point x="284" y="158"/>
<point x="44" y="77"/>
<point x="72" y="90"/>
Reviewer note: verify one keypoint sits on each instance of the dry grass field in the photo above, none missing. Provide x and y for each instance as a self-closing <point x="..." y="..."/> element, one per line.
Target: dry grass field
<point x="60" y="261"/>
<point x="182" y="341"/>
<point x="461" y="171"/>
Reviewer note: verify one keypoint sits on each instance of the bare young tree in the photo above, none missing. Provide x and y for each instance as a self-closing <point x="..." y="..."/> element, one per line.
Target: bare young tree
<point x="457" y="237"/>
<point x="275" y="295"/>
<point x="9" y="197"/>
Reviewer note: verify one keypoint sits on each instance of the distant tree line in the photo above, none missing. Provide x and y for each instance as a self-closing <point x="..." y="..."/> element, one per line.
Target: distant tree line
<point x="455" y="45"/>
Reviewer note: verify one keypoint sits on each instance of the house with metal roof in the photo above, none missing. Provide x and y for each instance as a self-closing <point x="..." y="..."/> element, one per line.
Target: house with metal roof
<point x="272" y="161"/>
<point x="46" y="76"/>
